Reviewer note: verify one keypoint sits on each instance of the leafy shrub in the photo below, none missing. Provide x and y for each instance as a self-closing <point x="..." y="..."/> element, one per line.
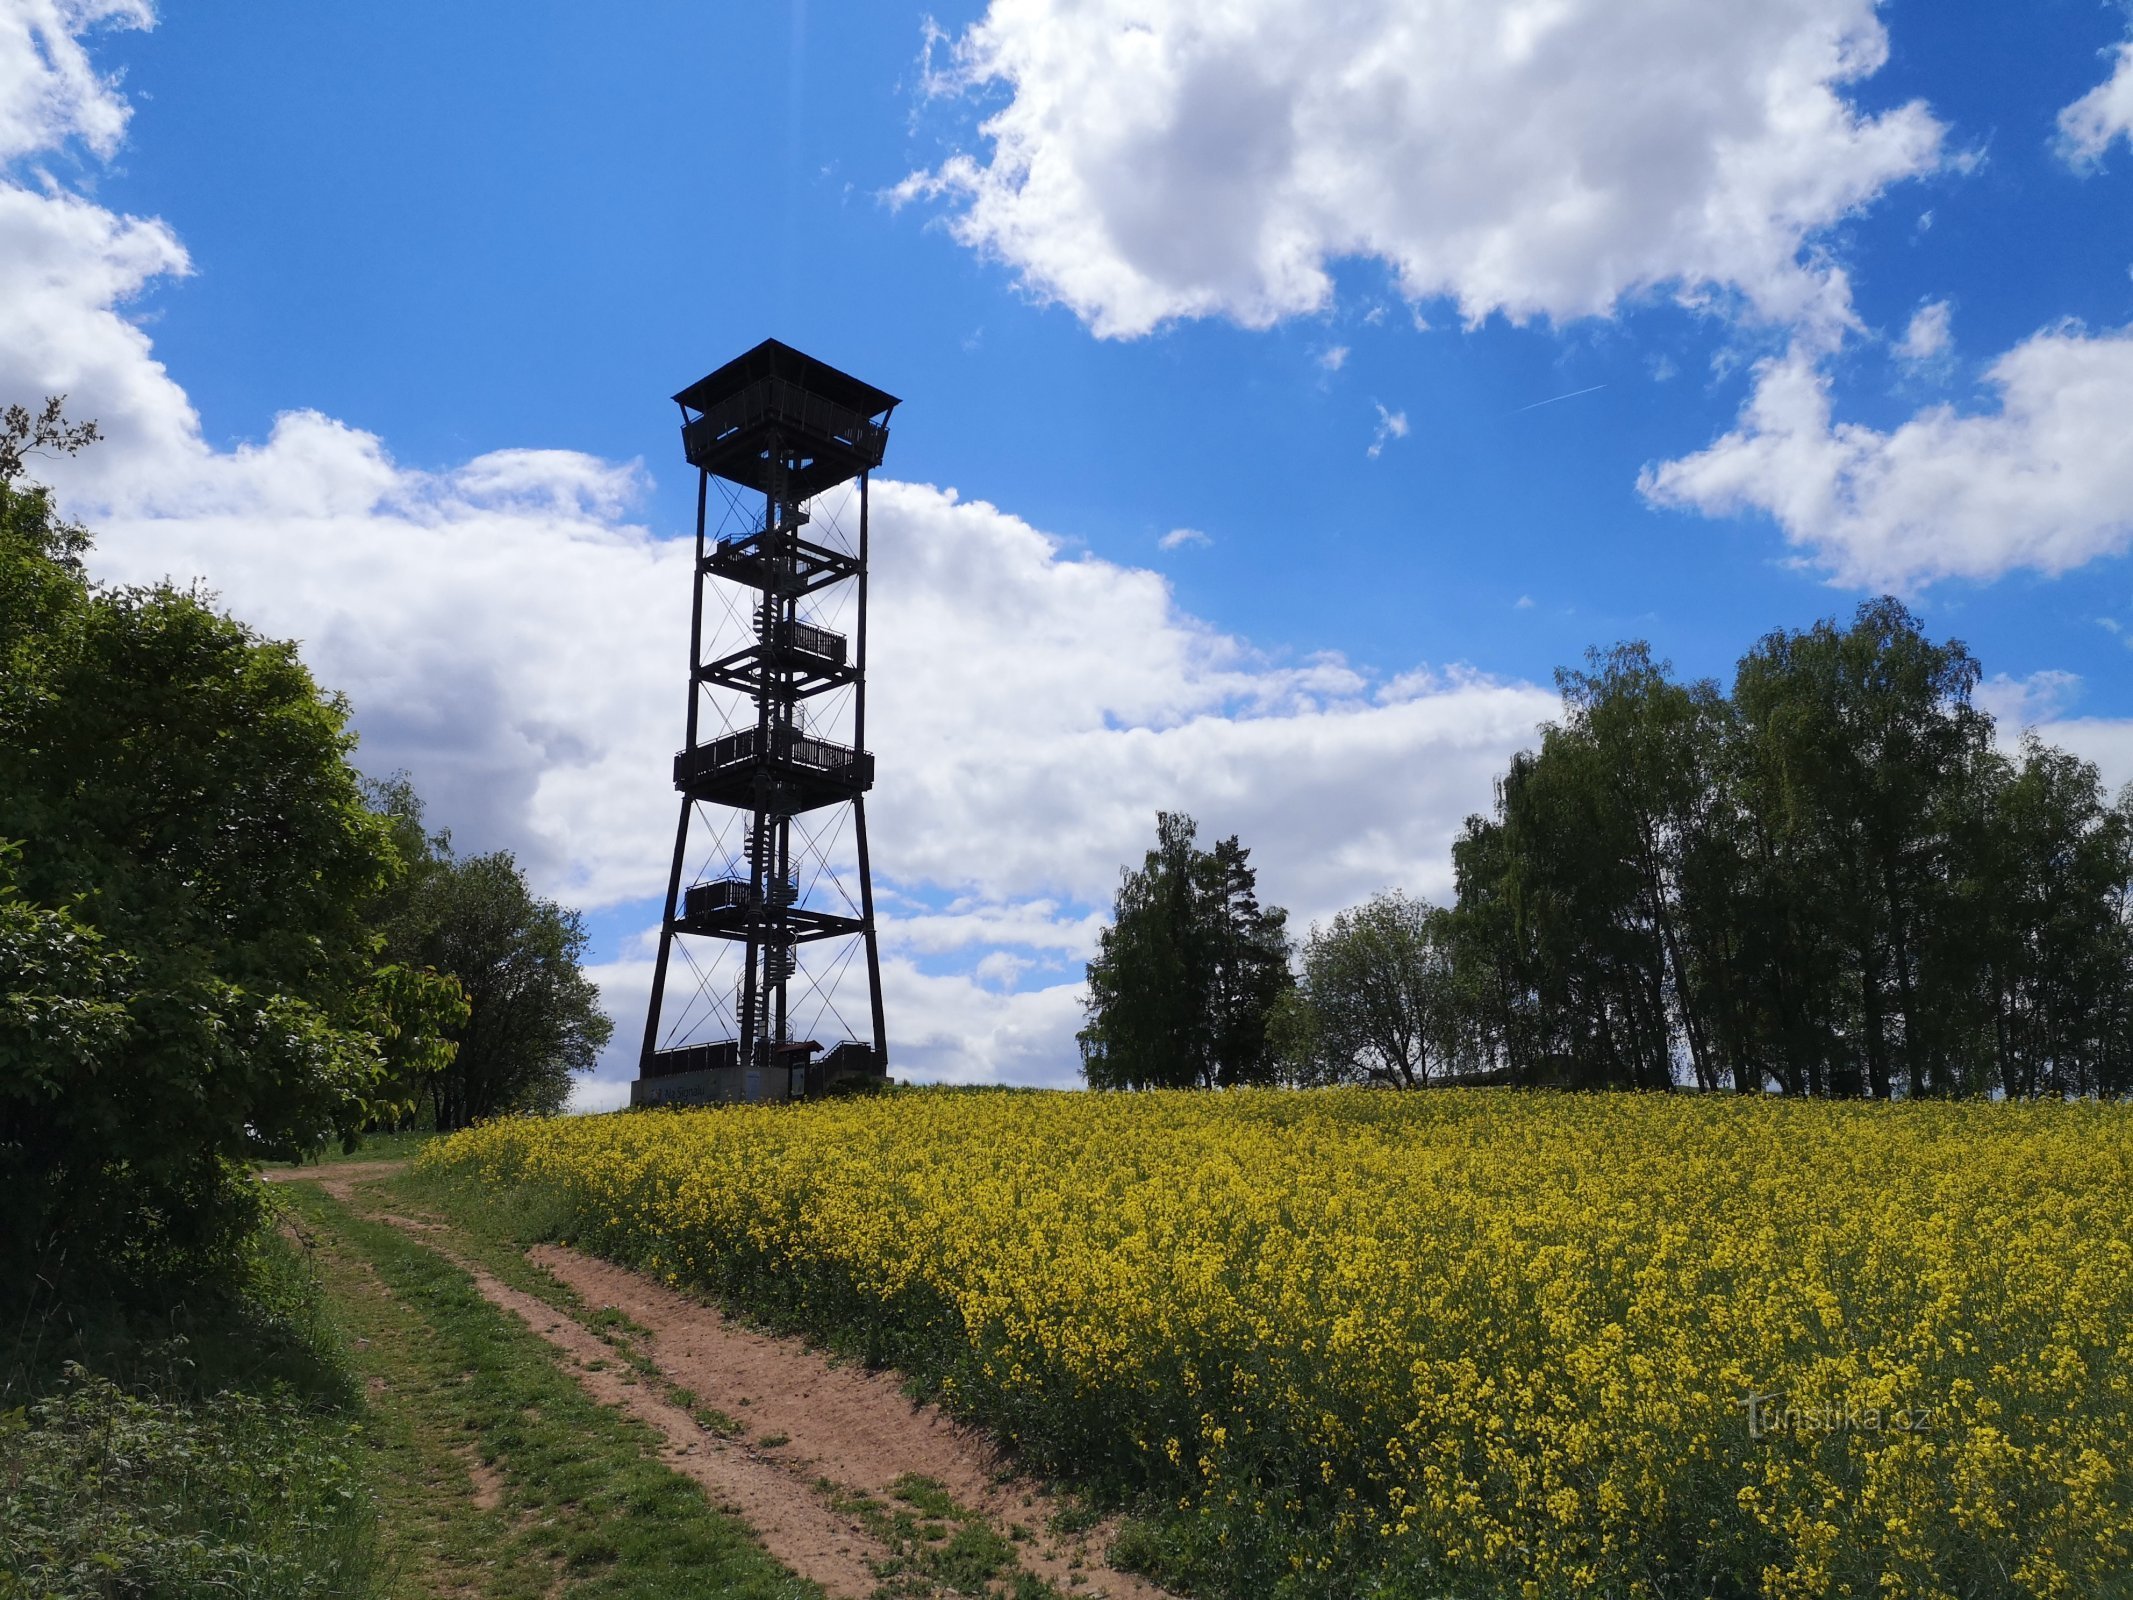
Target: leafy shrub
<point x="105" y="1493"/>
<point x="189" y="976"/>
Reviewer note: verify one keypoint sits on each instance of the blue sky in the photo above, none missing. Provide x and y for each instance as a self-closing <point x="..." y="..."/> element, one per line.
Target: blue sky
<point x="1460" y="336"/>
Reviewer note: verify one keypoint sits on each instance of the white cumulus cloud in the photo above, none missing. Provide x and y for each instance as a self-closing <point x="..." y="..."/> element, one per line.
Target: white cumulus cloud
<point x="1164" y="159"/>
<point x="2041" y="479"/>
<point x="2105" y="742"/>
<point x="1929" y="335"/>
<point x="2017" y="704"/>
<point x="48" y="90"/>
<point x="2088" y="126"/>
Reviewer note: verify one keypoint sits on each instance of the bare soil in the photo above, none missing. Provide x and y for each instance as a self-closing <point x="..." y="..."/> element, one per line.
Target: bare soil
<point x="488" y="1482"/>
<point x="857" y="1428"/>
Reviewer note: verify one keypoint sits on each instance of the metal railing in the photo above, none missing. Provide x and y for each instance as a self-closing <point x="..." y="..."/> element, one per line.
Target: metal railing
<point x="783" y="744"/>
<point x="815" y="641"/>
<point x="729" y="894"/>
<point x="693" y="1058"/>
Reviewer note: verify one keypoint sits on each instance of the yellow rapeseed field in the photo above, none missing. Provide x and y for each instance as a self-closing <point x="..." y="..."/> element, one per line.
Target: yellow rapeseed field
<point x="1350" y="1343"/>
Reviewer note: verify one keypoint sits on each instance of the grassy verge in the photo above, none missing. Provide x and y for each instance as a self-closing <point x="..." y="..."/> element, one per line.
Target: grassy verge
<point x="499" y="1477"/>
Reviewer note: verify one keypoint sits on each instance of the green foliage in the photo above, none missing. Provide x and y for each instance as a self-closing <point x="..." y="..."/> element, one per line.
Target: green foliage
<point x="24" y="433"/>
<point x="1831" y="883"/>
<point x="64" y="1011"/>
<point x="205" y="1446"/>
<point x="1188" y="974"/>
<point x="526" y="1016"/>
<point x="1379" y="1000"/>
<point x="187" y="875"/>
<point x="416" y="1015"/>
<point x="1569" y="936"/>
<point x="2050" y="911"/>
<point x="534" y="1018"/>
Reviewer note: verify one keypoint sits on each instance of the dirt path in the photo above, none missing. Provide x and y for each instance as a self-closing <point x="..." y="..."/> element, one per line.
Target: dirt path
<point x="794" y="1525"/>
<point x="337" y="1178"/>
<point x="857" y="1428"/>
<point x="816" y="1424"/>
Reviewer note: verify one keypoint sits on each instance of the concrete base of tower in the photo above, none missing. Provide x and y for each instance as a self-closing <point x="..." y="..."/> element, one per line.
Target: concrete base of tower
<point x="703" y="1075"/>
<point x="719" y="1086"/>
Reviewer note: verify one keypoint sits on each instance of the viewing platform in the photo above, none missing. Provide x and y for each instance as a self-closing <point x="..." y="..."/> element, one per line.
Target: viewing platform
<point x="787" y="772"/>
<point x="731" y="908"/>
<point x="779" y="564"/>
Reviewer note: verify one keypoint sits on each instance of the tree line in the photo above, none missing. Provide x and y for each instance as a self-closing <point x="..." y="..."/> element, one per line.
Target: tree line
<point x="218" y="940"/>
<point x="1831" y="880"/>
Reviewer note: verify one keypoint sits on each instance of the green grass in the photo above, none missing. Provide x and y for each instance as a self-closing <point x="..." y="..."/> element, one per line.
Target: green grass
<point x="103" y="1492"/>
<point x="923" y="1495"/>
<point x="1074" y="1516"/>
<point x="935" y="1545"/>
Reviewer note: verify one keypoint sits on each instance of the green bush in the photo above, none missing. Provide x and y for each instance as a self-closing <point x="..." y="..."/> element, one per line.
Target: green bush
<point x="189" y="974"/>
<point x="209" y="1445"/>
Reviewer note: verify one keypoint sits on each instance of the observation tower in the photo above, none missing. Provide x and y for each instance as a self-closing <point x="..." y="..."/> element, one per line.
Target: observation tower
<point x="770" y="900"/>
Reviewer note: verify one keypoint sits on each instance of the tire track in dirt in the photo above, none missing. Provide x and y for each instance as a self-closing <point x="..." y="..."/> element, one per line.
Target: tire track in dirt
<point x="855" y="1427"/>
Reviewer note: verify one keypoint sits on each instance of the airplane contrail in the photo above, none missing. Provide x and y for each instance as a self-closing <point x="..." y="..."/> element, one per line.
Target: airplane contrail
<point x="1572" y="395"/>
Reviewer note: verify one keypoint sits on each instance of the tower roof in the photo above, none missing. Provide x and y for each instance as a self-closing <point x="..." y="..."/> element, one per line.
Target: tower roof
<point x="773" y="359"/>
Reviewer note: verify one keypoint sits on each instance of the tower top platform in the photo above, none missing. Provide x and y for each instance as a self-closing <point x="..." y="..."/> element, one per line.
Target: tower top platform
<point x="776" y="417"/>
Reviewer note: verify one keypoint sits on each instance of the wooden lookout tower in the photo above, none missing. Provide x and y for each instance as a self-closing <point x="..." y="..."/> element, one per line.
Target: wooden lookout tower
<point x="774" y="770"/>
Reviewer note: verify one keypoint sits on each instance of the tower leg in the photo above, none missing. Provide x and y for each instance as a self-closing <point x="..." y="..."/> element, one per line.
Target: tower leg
<point x="666" y="942"/>
<point x="866" y="914"/>
<point x="681" y="827"/>
<point x="859" y="805"/>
